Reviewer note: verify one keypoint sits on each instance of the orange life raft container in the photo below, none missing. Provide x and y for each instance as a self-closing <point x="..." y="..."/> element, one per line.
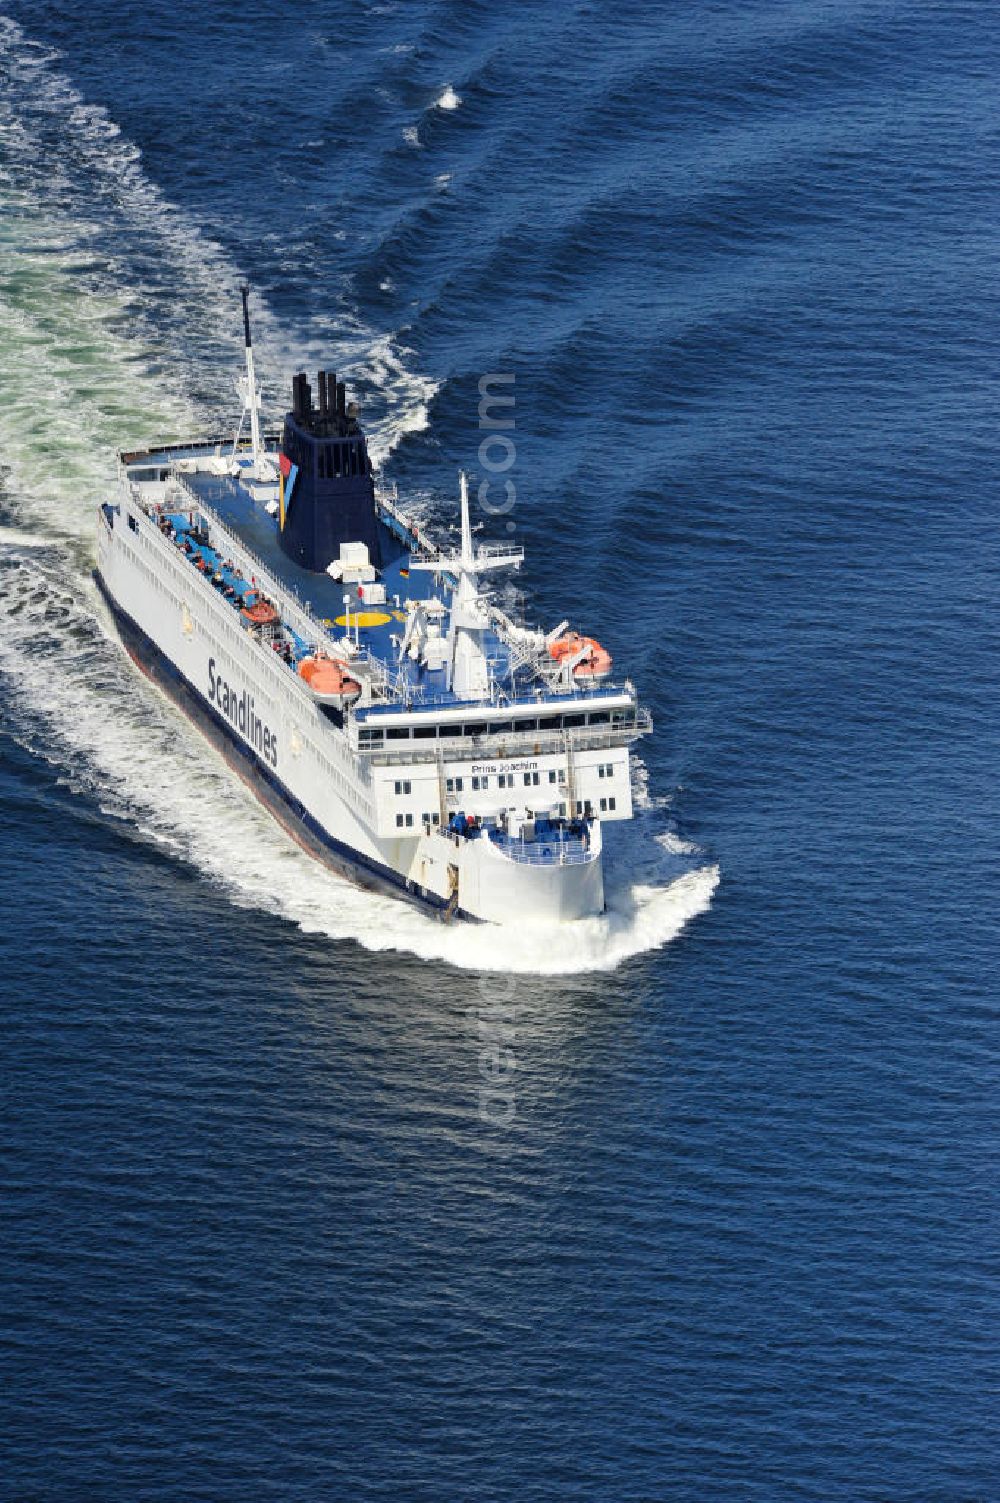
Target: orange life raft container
<point x="595" y="664"/>
<point x="329" y="680"/>
<point x="261" y="613"/>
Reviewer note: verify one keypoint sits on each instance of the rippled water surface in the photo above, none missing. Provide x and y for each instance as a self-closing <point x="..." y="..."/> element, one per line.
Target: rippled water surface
<point x="733" y="1237"/>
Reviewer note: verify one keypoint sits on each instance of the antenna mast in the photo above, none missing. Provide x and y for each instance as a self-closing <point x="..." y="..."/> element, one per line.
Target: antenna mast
<point x="468" y="669"/>
<point x="251" y="391"/>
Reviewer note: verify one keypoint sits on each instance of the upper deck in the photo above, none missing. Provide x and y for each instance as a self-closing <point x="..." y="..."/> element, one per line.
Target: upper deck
<point x="524" y="688"/>
<point x="379" y="627"/>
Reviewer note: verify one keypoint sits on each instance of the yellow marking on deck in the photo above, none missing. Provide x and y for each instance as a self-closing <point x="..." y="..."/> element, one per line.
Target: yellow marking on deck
<point x="364" y="618"/>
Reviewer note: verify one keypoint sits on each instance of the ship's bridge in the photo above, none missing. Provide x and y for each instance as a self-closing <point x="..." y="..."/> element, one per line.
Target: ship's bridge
<point x="537" y="724"/>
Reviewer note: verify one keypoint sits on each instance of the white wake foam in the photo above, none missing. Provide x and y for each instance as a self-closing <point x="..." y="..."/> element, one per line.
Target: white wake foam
<point x="16" y="537"/>
<point x="674" y="845"/>
<point x="60" y="150"/>
<point x="448" y="100"/>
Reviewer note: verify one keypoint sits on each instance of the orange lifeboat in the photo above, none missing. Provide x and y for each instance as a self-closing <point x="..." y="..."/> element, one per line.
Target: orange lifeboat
<point x="329" y="681"/>
<point x="261" y="613"/>
<point x="593" y="667"/>
<point x="563" y="647"/>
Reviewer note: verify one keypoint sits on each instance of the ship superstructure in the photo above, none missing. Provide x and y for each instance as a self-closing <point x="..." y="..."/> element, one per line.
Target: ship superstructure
<point x="363" y="676"/>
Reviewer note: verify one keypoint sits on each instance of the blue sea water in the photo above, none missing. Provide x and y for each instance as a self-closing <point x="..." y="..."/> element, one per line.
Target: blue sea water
<point x="735" y="1238"/>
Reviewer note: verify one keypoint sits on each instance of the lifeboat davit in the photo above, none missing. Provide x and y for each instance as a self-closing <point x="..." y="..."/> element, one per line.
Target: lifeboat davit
<point x="329" y="681"/>
<point x="261" y="613"/>
<point x="593" y="667"/>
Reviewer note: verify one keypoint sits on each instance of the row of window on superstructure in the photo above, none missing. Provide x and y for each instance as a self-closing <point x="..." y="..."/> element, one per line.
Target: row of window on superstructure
<point x="432" y="821"/>
<point x="372" y="736"/>
<point x="429" y="821"/>
<point x="481" y="782"/>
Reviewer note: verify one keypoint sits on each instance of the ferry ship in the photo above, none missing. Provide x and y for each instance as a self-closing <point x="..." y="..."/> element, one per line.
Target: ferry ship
<point x="361" y="674"/>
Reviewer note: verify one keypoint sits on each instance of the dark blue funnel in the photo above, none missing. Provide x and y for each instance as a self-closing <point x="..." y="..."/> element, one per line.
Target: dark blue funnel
<point x="330" y="492"/>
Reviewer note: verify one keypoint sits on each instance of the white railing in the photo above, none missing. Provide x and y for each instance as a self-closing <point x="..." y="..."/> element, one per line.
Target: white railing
<point x="389" y="503"/>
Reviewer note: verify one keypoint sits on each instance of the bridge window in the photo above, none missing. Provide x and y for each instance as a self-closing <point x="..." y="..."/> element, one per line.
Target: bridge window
<point x="423" y="732"/>
<point x="398" y="733"/>
<point x="501" y="727"/>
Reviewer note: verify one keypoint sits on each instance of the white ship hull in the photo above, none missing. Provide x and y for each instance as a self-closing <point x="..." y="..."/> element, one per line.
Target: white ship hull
<point x="339" y="804"/>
